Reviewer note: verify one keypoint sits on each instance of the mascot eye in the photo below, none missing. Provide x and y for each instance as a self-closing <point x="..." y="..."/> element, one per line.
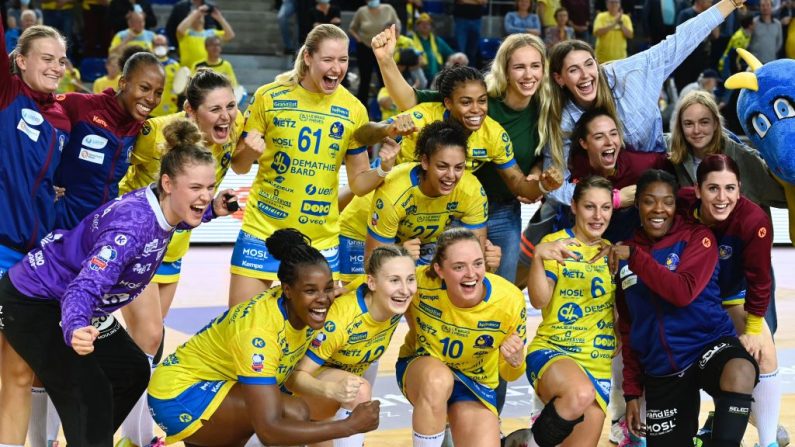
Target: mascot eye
<point x="783" y="108"/>
<point x="761" y="124"/>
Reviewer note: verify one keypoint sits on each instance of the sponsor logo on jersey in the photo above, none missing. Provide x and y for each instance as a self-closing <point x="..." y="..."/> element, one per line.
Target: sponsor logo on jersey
<point x="672" y="261"/>
<point x="51" y="237"/>
<point x="36" y="258"/>
<point x="32" y="117"/>
<point x="279" y="179"/>
<point x="572" y="273"/>
<point x="706" y="242"/>
<point x="329" y="326"/>
<point x="61" y="142"/>
<point x="120" y="240"/>
<point x="271" y="211"/>
<point x="147" y="129"/>
<point x="315" y="208"/>
<point x="452" y="206"/>
<point x="333" y="148"/>
<point x="336" y="131"/>
<point x="141" y="268"/>
<point x="379" y="204"/>
<point x="94" y="141"/>
<point x="711" y="353"/>
<point x="417" y="115"/>
<point x="484" y="341"/>
<point x="130" y="285"/>
<point x="91" y="156"/>
<point x="488" y="324"/>
<point x="284" y="122"/>
<point x="281" y="162"/>
<point x="602" y="324"/>
<point x="357" y="337"/>
<point x="479" y="152"/>
<point x="99" y="121"/>
<point x="318" y="340"/>
<point x="258" y="342"/>
<point x="106" y="255"/>
<point x="430" y="310"/>
<point x="257" y="362"/>
<point x="569" y="313"/>
<point x="604" y="342"/>
<point x="762" y="232"/>
<point x="303" y="219"/>
<point x="279" y="93"/>
<point x="505" y="137"/>
<point x="25" y="128"/>
<point x="341" y="111"/>
<point x="282" y="141"/>
<point x="725" y="252"/>
<point x="285" y="104"/>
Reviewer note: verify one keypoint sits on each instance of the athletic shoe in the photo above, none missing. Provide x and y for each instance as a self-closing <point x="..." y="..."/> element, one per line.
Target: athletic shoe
<point x="519" y="438"/>
<point x="631" y="440"/>
<point x="53" y="443"/>
<point x="704" y="434"/>
<point x="157" y="442"/>
<point x="782" y="436"/>
<point x="618" y="431"/>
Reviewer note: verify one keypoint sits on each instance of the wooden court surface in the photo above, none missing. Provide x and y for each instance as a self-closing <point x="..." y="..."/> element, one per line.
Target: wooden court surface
<point x="205" y="281"/>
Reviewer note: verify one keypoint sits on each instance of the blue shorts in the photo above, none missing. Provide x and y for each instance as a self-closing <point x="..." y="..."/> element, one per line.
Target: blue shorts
<point x="182" y="415"/>
<point x="168" y="272"/>
<point x="464" y="388"/>
<point x="8" y="258"/>
<point x="538" y="360"/>
<point x="351" y="258"/>
<point x="250" y="258"/>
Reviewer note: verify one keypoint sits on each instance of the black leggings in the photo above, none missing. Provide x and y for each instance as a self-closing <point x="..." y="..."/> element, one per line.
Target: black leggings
<point x="93" y="393"/>
<point x="365" y="59"/>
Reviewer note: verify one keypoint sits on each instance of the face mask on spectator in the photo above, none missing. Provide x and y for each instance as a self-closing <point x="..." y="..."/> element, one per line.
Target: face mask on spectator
<point x="160" y="51"/>
<point x="24" y="2"/>
<point x="373" y="3"/>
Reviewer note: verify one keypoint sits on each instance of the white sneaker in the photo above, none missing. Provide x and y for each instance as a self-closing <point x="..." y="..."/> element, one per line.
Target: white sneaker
<point x="617" y="434"/>
<point x="782" y="436"/>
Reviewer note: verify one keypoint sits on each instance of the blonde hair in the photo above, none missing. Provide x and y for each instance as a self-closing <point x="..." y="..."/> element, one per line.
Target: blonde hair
<point x="679" y="145"/>
<point x="318" y="34"/>
<point x="497" y="77"/>
<point x="554" y="99"/>
<point x="26" y="40"/>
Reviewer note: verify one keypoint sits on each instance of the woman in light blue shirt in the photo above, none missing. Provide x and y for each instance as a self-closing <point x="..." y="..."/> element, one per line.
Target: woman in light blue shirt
<point x="522" y="20"/>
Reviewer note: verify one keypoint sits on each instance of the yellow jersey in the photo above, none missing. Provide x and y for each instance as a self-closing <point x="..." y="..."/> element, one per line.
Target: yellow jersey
<point x="579" y="316"/>
<point x="351" y="339"/>
<point x="145" y="167"/>
<point x="168" y="102"/>
<point x="252" y="343"/>
<point x="104" y="82"/>
<point x="307" y="135"/>
<point x="52" y="5"/>
<point x="223" y="67"/>
<point x="191" y="45"/>
<point x="489" y="143"/>
<point x="466" y="339"/>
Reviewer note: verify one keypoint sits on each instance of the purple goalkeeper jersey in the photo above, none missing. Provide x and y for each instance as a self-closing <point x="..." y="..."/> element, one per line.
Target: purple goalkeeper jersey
<point x="100" y="265"/>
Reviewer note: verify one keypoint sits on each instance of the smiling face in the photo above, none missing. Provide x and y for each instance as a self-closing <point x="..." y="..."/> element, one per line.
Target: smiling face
<point x="140" y="91"/>
<point x="327" y="66"/>
<point x="443" y="171"/>
<point x="592" y="213"/>
<point x="44" y="65"/>
<point x="698" y="127"/>
<point x="580" y="75"/>
<point x="188" y="193"/>
<point x="468" y="104"/>
<point x="215" y="115"/>
<point x="310" y="297"/>
<point x="719" y="194"/>
<point x="657" y="206"/>
<point x="602" y="144"/>
<point x="525" y="71"/>
<point x="394" y="285"/>
<point x="463" y="269"/>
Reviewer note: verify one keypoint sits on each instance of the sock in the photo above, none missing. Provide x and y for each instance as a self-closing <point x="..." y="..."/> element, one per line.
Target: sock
<point x="53" y="421"/>
<point x="37" y="426"/>
<point x="731" y="418"/>
<point x="767" y="406"/>
<point x="139" y="427"/>
<point x="371" y="374"/>
<point x="427" y="440"/>
<point x="254" y="442"/>
<point x="617" y="406"/>
<point x="550" y="429"/>
<point x="356" y="440"/>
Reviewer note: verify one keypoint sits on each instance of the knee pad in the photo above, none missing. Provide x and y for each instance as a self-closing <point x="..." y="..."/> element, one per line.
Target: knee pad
<point x="731" y="418"/>
<point x="550" y="429"/>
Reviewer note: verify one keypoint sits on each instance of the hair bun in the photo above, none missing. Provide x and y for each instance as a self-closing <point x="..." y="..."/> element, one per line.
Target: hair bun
<point x="284" y="241"/>
<point x="181" y="133"/>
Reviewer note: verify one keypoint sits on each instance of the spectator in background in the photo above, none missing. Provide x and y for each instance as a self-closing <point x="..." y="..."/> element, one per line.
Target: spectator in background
<point x="214" y="61"/>
<point x="522" y="20"/>
<point x="59" y="14"/>
<point x="191" y="34"/>
<point x="785" y="15"/>
<point x="118" y="10"/>
<point x="368" y="21"/>
<point x="561" y="31"/>
<point x="325" y="12"/>
<point x="730" y="62"/>
<point x="178" y="14"/>
<point x="612" y="29"/>
<point x="698" y="60"/>
<point x="768" y="36"/>
<point x="110" y="80"/>
<point x="17" y="7"/>
<point x="401" y="8"/>
<point x="284" y="17"/>
<point x="96" y="36"/>
<point x="434" y="48"/>
<point x="546" y="12"/>
<point x="579" y="17"/>
<point x="413" y="11"/>
<point x="16" y="27"/>
<point x="467" y="15"/>
<point x="71" y="82"/>
<point x="168" y="102"/>
<point x="659" y="18"/>
<point x="708" y="82"/>
<point x="135" y="34"/>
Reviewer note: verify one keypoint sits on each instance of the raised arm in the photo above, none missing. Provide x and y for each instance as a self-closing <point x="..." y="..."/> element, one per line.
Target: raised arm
<point x="184" y="25"/>
<point x="400" y="91"/>
<point x="229" y="33"/>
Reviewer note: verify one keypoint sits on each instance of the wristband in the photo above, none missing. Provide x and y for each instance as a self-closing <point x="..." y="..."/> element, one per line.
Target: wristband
<point x="381" y="173"/>
<point x="541" y="187"/>
<point x="616" y="199"/>
<point x="753" y="324"/>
